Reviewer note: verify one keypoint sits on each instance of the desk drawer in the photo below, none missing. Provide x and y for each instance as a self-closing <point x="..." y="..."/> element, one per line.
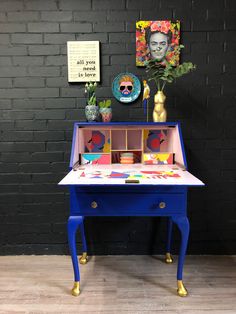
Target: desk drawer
<point x="125" y="204"/>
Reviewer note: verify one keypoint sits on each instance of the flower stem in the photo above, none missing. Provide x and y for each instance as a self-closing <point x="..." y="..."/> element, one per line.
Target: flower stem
<point x="157" y="84"/>
<point x="164" y="84"/>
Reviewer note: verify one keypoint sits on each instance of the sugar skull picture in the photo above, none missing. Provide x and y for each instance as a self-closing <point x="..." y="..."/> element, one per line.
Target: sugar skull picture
<point x="157" y="40"/>
<point x="126" y="87"/>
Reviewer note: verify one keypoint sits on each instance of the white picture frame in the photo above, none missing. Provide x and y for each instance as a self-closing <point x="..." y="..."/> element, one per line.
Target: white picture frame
<point x="83" y="59"/>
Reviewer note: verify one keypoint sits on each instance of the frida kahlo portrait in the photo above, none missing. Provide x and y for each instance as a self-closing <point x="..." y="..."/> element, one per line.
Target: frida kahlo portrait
<point x="157" y="40"/>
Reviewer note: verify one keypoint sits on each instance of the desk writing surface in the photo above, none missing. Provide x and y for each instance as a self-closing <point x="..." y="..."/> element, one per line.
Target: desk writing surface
<point x="117" y="174"/>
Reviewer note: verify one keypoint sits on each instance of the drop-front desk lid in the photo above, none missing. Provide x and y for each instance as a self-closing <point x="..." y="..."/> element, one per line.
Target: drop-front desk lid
<point x="118" y="174"/>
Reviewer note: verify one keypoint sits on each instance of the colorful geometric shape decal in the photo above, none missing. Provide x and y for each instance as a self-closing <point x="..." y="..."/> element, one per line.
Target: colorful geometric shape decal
<point x="96" y="159"/>
<point x="97" y="142"/>
<point x="154" y="140"/>
<point x="158" y="159"/>
<point x="119" y="175"/>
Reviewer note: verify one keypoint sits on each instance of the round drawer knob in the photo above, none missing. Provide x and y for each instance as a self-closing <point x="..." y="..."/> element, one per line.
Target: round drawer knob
<point x="94" y="204"/>
<point x="162" y="205"/>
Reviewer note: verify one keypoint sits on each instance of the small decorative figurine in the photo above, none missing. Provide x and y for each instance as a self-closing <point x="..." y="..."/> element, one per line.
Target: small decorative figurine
<point x="91" y="109"/>
<point x="146" y="96"/>
<point x="159" y="112"/>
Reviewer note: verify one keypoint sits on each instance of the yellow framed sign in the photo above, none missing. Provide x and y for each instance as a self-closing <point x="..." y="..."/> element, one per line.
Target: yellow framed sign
<point x="83" y="61"/>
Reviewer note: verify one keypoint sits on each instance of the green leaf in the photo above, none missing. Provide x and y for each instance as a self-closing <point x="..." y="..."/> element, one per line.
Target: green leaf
<point x="105" y="103"/>
<point x="157" y="72"/>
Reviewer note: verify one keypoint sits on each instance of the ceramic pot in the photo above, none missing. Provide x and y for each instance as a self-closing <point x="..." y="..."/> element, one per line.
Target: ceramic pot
<point x="106" y="114"/>
<point x="91" y="113"/>
<point x="159" y="112"/>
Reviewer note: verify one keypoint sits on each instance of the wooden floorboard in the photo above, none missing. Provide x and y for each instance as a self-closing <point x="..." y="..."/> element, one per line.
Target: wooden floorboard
<point x="117" y="284"/>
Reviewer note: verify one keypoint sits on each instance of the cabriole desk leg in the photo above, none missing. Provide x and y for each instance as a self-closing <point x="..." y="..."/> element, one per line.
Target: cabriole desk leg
<point x="73" y="223"/>
<point x="84" y="258"/>
<point x="169" y="258"/>
<point x="183" y="225"/>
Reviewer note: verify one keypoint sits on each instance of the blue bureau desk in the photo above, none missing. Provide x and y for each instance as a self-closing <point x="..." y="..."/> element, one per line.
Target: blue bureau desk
<point x="128" y="169"/>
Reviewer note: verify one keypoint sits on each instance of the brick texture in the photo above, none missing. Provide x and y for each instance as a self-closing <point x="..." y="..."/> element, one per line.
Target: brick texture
<point x="38" y="108"/>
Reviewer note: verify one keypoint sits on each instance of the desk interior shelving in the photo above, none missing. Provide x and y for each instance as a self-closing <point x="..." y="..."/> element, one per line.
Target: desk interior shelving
<point x="149" y="145"/>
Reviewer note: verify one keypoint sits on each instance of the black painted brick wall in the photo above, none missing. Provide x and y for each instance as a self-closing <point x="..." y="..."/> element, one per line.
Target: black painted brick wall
<point x="38" y="108"/>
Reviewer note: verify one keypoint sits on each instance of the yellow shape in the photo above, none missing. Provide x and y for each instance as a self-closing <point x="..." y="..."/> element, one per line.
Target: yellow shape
<point x="162" y="157"/>
<point x="145" y="134"/>
<point x="169" y="173"/>
<point x="106" y="148"/>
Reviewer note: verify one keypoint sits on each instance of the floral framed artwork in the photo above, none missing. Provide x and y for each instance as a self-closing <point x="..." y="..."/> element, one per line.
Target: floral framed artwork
<point x="157" y="40"/>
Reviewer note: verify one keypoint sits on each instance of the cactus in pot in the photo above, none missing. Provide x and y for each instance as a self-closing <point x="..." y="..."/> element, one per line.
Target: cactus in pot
<point x="105" y="110"/>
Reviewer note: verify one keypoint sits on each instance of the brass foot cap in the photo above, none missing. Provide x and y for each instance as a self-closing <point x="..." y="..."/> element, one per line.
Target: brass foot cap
<point x="169" y="258"/>
<point x="182" y="292"/>
<point x="83" y="259"/>
<point x="75" y="290"/>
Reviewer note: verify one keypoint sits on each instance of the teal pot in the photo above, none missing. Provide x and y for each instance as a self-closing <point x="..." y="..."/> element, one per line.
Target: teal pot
<point x="106" y="114"/>
<point x="92" y="113"/>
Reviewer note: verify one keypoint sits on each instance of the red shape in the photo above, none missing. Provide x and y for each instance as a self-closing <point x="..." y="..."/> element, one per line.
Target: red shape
<point x="170" y="159"/>
<point x="155" y="143"/>
<point x="176" y="175"/>
<point x="149" y="162"/>
<point x="96" y="139"/>
<point x="150" y="172"/>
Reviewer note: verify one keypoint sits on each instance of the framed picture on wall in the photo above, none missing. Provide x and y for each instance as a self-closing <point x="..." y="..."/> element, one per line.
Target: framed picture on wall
<point x="157" y="40"/>
<point x="83" y="61"/>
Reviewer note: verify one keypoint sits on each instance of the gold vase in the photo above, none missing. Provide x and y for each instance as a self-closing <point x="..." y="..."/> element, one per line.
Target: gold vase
<point x="159" y="113"/>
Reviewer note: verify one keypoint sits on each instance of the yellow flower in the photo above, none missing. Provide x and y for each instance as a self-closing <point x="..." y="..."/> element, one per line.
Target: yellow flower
<point x="142" y="24"/>
<point x="178" y="25"/>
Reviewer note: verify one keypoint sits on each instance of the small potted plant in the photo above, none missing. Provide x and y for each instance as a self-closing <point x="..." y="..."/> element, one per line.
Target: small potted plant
<point x="91" y="109"/>
<point x="105" y="110"/>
